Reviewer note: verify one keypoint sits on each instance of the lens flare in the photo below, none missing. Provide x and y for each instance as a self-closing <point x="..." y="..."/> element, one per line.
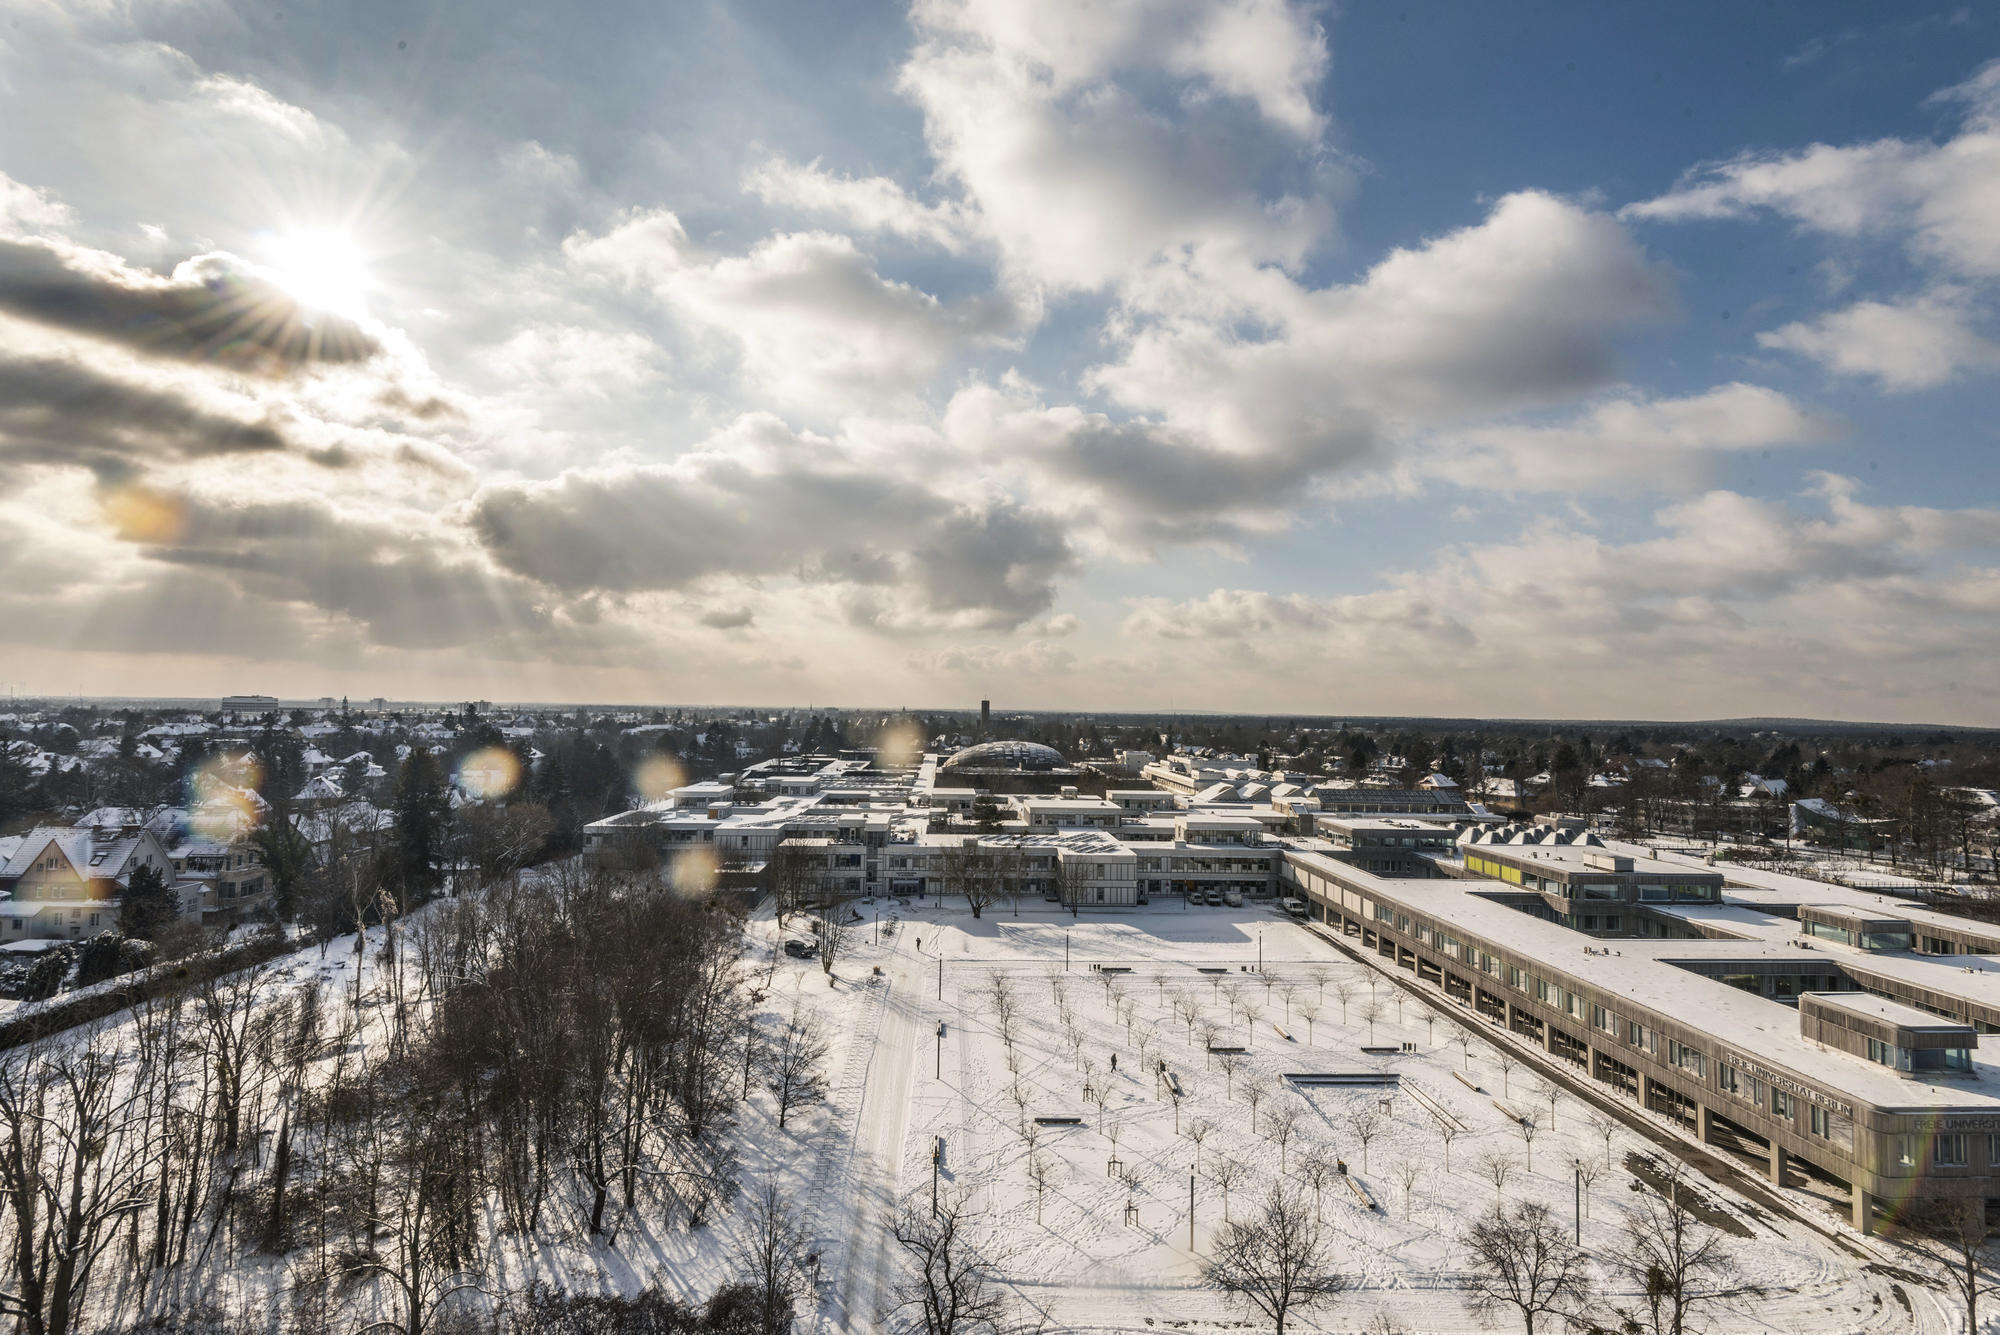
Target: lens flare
<point x="901" y="745"/>
<point x="222" y="800"/>
<point x="140" y="514"/>
<point x="656" y="776"/>
<point x="694" y="871"/>
<point x="490" y="772"/>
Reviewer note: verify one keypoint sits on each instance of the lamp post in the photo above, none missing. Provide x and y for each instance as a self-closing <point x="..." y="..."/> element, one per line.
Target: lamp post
<point x="1577" y="1164"/>
<point x="939" y="1073"/>
<point x="1065" y="950"/>
<point x="940" y="973"/>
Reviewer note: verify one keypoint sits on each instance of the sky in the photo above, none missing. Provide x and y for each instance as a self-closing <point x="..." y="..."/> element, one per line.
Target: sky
<point x="1554" y="360"/>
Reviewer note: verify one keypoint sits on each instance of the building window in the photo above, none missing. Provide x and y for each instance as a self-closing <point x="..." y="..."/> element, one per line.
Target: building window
<point x="1949" y="1151"/>
<point x="1725" y="1079"/>
<point x="1781" y="1104"/>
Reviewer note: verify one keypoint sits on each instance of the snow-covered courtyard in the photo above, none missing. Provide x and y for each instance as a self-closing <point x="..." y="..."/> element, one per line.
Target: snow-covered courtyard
<point x="1109" y="1022"/>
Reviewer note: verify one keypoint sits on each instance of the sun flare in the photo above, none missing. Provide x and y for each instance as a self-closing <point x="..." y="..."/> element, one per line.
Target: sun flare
<point x="322" y="269"/>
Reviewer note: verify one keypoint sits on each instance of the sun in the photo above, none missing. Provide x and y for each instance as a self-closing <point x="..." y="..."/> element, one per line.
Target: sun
<point x="321" y="269"/>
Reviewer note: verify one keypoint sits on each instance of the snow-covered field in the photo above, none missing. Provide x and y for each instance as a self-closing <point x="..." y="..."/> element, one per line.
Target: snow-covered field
<point x="1108" y="1248"/>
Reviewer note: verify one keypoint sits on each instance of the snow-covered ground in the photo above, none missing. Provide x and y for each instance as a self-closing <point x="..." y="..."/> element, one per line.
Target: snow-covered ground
<point x="1110" y="1250"/>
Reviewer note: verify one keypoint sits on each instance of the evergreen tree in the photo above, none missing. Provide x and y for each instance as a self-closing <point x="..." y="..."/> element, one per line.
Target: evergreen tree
<point x="149" y="905"/>
<point x="423" y="823"/>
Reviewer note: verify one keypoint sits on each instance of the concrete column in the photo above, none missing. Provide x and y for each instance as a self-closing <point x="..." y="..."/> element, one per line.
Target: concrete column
<point x="1864" y="1211"/>
<point x="1704" y="1123"/>
<point x="1777" y="1163"/>
<point x="1645" y="1090"/>
<point x="1549" y="1038"/>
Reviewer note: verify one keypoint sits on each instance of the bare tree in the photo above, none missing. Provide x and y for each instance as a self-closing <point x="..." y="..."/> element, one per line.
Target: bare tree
<point x="1448" y="1132"/>
<point x="1506" y="1061"/>
<point x="793" y="877"/>
<point x="1549" y="1092"/>
<point x="70" y="1172"/>
<point x="1523" y="1260"/>
<point x="1226" y="1173"/>
<point x="947" y="1288"/>
<point x="1605" y="1127"/>
<point x="1587" y="1173"/>
<point x="1677" y="1261"/>
<point x="770" y="1261"/>
<point x="1344" y="992"/>
<point x="797" y="1059"/>
<point x="981" y="881"/>
<point x="832" y="926"/>
<point x="1041" y="1168"/>
<point x="1281" y="1125"/>
<point x="1364" y="1123"/>
<point x="1279" y="1260"/>
<point x="1176" y="1095"/>
<point x="1308" y="1009"/>
<point x="1528" y="1133"/>
<point x="1319" y="1166"/>
<point x="1496" y="1166"/>
<point x="1319" y="976"/>
<point x="1253" y="1094"/>
<point x="1372" y="1012"/>
<point x="1954" y="1236"/>
<point x="1198" y="1131"/>
<point x="1231" y="1063"/>
<point x="1408" y="1173"/>
<point x="1462" y="1039"/>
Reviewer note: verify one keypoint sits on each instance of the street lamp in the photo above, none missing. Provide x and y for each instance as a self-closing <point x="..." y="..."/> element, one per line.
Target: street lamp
<point x="1577" y="1164"/>
<point x="1065" y="950"/>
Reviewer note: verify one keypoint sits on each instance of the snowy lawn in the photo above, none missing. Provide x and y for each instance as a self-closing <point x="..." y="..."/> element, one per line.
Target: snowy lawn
<point x="1103" y="1244"/>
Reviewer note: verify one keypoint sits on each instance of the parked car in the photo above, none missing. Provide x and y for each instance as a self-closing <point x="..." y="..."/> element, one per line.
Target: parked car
<point x="1294" y="907"/>
<point x="1232" y="898"/>
<point x="800" y="950"/>
<point x="1213" y="899"/>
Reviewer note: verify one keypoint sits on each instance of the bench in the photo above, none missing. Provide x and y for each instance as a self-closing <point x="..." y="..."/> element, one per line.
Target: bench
<point x="1058" y="1121"/>
<point x="1344" y="1077"/>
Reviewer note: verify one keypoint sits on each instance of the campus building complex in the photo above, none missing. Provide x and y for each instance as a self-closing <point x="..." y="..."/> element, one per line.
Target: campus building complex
<point x="1822" y="1030"/>
<point x="1826" y="1034"/>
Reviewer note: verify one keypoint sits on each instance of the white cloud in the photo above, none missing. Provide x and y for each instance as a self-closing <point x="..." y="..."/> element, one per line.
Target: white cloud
<point x="1940" y="198"/>
<point x="872" y="204"/>
<point x="1913" y="344"/>
<point x="572" y="359"/>
<point x="762" y="502"/>
<point x="1735" y="608"/>
<point x="1625" y="442"/>
<point x="27" y="209"/>
<point x="1077" y="176"/>
<point x="819" y="328"/>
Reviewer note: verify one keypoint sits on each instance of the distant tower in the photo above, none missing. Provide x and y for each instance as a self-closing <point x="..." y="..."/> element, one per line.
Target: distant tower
<point x="985" y="715"/>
